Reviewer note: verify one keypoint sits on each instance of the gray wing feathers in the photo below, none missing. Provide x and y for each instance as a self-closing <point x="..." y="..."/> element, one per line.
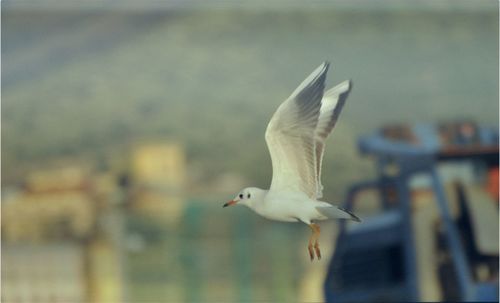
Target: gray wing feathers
<point x="291" y="132"/>
<point x="337" y="96"/>
<point x="297" y="131"/>
<point x="331" y="105"/>
<point x="335" y="212"/>
<point x="307" y="100"/>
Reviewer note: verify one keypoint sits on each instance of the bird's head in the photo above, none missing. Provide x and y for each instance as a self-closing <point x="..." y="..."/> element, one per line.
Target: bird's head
<point x="246" y="197"/>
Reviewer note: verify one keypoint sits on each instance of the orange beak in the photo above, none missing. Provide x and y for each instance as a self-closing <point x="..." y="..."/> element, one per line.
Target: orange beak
<point x="232" y="202"/>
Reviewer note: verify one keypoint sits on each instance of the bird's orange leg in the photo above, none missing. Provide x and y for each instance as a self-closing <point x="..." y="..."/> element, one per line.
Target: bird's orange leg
<point x="316" y="244"/>
<point x="314" y="239"/>
<point x="310" y="246"/>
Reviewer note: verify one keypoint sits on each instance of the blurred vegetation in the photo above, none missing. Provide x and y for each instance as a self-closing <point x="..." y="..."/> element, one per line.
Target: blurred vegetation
<point x="88" y="83"/>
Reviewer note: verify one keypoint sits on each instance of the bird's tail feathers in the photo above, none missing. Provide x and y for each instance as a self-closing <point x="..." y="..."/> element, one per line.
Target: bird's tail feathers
<point x="335" y="212"/>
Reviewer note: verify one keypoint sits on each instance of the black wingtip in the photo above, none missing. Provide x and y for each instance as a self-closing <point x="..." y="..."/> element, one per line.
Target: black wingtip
<point x="350" y="84"/>
<point x="326" y="65"/>
<point x="353" y="216"/>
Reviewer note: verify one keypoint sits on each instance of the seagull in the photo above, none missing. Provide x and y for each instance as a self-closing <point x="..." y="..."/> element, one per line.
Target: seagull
<point x="296" y="137"/>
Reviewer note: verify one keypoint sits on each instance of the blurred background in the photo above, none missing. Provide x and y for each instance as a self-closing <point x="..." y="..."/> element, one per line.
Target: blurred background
<point x="126" y="125"/>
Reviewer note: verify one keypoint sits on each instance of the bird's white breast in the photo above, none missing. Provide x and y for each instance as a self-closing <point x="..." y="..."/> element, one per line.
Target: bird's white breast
<point x="288" y="207"/>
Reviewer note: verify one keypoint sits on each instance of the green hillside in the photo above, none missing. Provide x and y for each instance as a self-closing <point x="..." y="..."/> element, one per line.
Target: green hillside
<point x="90" y="83"/>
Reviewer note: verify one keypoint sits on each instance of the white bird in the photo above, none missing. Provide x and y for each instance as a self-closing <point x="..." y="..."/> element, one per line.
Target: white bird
<point x="296" y="138"/>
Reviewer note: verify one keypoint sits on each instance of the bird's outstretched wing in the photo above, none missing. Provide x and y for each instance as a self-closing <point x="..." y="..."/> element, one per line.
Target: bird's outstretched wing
<point x="331" y="105"/>
<point x="297" y="131"/>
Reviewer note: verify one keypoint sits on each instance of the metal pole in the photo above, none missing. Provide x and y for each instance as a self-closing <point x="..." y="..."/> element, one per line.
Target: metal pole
<point x="457" y="251"/>
<point x="401" y="183"/>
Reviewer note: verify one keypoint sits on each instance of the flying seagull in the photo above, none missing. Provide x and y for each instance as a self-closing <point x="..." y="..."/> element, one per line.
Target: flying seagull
<point x="296" y="138"/>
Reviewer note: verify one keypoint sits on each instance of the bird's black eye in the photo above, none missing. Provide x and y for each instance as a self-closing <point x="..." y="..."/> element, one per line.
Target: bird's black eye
<point x="241" y="196"/>
<point x="248" y="196"/>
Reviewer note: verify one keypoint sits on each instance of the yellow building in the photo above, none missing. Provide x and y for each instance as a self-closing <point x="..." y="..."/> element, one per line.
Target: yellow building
<point x="67" y="178"/>
<point x="159" y="166"/>
<point x="40" y="217"/>
<point x="158" y="175"/>
<point x="53" y="247"/>
<point x="55" y="204"/>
